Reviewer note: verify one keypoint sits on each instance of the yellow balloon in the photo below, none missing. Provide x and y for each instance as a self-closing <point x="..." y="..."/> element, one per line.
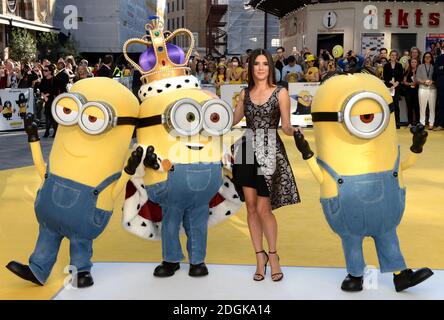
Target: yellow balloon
<point x="338" y="51"/>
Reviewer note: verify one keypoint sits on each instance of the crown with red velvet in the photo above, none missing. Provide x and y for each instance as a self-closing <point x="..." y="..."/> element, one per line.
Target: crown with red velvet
<point x="162" y="59"/>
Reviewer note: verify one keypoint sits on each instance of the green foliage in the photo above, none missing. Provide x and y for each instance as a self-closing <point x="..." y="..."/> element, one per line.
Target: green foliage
<point x="23" y="45"/>
<point x="50" y="48"/>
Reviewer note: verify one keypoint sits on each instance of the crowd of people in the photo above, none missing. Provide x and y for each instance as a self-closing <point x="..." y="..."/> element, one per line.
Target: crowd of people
<point x="51" y="79"/>
<point x="409" y="75"/>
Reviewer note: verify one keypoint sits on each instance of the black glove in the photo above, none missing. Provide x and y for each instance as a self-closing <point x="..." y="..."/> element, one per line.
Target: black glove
<point x="31" y="128"/>
<point x="303" y="146"/>
<point x="151" y="159"/>
<point x="134" y="161"/>
<point x="419" y="138"/>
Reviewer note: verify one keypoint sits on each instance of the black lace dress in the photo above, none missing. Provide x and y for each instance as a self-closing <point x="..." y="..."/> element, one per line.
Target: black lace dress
<point x="260" y="158"/>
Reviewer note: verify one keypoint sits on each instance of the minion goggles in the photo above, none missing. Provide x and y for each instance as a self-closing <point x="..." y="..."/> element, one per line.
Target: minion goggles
<point x="187" y="117"/>
<point x="90" y="124"/>
<point x="366" y="126"/>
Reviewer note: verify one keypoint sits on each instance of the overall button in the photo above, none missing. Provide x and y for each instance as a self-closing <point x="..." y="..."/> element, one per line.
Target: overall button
<point x="395" y="174"/>
<point x="46" y="176"/>
<point x="340" y="181"/>
<point x="96" y="192"/>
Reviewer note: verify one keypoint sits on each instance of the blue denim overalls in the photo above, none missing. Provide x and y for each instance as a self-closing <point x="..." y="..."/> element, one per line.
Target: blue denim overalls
<point x="369" y="205"/>
<point x="184" y="198"/>
<point x="66" y="208"/>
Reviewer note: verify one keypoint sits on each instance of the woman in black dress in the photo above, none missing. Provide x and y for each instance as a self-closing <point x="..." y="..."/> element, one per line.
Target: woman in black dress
<point x="48" y="89"/>
<point x="262" y="171"/>
<point x="411" y="94"/>
<point x="393" y="76"/>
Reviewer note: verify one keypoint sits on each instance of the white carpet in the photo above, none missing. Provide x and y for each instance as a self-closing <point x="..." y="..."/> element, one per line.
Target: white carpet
<point x="135" y="281"/>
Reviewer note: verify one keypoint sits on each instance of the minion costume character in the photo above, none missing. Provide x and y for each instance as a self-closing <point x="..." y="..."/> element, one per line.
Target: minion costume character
<point x="304" y="103"/>
<point x="84" y="175"/>
<point x="180" y="129"/>
<point x="7" y="110"/>
<point x="360" y="173"/>
<point x="22" y="103"/>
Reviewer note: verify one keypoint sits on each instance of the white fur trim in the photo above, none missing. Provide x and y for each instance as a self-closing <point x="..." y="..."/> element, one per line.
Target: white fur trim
<point x="143" y="228"/>
<point x="168" y="85"/>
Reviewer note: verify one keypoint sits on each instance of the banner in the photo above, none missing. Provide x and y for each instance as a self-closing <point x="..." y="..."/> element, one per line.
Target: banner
<point x="433" y="37"/>
<point x="301" y="96"/>
<point x="230" y="93"/>
<point x="14" y="105"/>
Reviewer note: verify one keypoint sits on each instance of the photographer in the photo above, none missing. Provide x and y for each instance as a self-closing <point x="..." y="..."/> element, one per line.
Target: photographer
<point x="351" y="62"/>
<point x="28" y="77"/>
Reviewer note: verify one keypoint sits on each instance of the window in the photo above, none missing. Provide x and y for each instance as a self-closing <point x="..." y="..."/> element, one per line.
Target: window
<point x="173" y="24"/>
<point x="172" y="6"/>
<point x="178" y="22"/>
<point x="169" y="23"/>
<point x="178" y="5"/>
<point x="183" y="22"/>
<point x="275" y="43"/>
<point x="168" y="7"/>
<point x="183" y="4"/>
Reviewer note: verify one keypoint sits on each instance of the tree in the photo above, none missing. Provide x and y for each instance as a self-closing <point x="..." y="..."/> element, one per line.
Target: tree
<point x="51" y="46"/>
<point x="22" y="46"/>
<point x="48" y="46"/>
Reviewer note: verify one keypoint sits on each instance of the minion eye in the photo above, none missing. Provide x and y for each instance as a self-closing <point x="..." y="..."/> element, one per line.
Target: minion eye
<point x="66" y="107"/>
<point x="65" y="115"/>
<point x="186" y="117"/>
<point x="367" y="123"/>
<point x="218" y="117"/>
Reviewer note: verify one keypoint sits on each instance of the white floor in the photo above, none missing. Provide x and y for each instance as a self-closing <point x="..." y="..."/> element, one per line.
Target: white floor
<point x="135" y="281"/>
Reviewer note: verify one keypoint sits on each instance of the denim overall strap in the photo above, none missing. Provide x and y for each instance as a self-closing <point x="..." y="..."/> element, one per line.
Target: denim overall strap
<point x="105" y="184"/>
<point x="398" y="160"/>
<point x="329" y="169"/>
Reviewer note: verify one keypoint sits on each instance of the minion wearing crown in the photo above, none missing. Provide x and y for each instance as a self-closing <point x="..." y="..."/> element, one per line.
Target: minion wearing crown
<point x="180" y="186"/>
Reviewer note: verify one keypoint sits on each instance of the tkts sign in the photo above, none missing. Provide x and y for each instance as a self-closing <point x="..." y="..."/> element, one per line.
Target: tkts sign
<point x="403" y="17"/>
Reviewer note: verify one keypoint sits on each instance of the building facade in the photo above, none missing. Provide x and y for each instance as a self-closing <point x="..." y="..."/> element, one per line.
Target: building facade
<point x="359" y="26"/>
<point x="33" y="15"/>
<point x="250" y="29"/>
<point x="102" y="26"/>
<point x="189" y="14"/>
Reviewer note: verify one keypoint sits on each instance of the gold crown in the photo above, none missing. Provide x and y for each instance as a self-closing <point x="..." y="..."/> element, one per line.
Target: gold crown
<point x="164" y="67"/>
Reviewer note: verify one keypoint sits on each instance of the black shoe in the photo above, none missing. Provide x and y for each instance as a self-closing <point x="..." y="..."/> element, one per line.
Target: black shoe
<point x="166" y="269"/>
<point x="84" y="280"/>
<point x="409" y="278"/>
<point x="198" y="270"/>
<point x="23" y="272"/>
<point x="352" y="284"/>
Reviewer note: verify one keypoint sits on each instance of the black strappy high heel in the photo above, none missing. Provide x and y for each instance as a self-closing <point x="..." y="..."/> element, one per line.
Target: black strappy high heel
<point x="276" y="277"/>
<point x="258" y="276"/>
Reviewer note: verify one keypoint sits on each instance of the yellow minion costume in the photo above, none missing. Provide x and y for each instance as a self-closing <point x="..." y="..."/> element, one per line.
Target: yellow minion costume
<point x="180" y="183"/>
<point x="84" y="174"/>
<point x="360" y="173"/>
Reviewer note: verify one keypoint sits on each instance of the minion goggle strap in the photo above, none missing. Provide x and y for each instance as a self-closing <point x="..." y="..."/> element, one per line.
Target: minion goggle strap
<point x="93" y="117"/>
<point x="365" y="126"/>
<point x="187" y="117"/>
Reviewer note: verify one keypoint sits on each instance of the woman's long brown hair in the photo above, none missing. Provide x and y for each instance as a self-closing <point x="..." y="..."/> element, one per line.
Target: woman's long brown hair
<point x="271" y="76"/>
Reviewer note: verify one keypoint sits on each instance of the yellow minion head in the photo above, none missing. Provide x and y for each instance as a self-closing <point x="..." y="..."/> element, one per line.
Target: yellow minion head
<point x="305" y="98"/>
<point x="182" y="122"/>
<point x="96" y="123"/>
<point x="354" y="124"/>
